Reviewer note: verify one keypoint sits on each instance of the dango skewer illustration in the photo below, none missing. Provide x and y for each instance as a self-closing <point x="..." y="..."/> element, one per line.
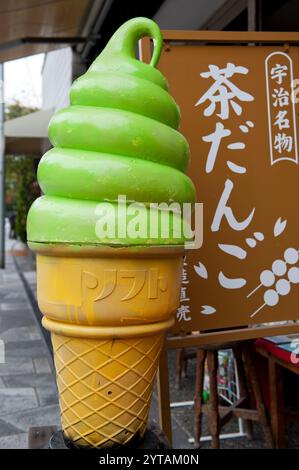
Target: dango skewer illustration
<point x="283" y="285"/>
<point x="279" y="268"/>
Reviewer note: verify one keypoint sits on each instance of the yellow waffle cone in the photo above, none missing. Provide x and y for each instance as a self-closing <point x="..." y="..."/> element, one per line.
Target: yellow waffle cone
<point x="107" y="311"/>
<point x="105" y="386"/>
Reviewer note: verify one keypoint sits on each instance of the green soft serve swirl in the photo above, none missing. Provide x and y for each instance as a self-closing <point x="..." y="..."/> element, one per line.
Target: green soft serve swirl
<point x="118" y="137"/>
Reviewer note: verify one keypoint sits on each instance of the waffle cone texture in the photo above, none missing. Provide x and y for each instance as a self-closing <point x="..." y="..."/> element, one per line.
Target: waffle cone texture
<point x="107" y="312"/>
<point x="105" y="387"/>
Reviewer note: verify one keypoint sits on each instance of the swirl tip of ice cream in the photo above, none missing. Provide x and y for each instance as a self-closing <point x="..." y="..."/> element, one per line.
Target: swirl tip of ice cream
<point x="118" y="137"/>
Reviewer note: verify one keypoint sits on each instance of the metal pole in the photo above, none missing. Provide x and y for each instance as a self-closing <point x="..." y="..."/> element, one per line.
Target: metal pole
<point x="252" y="15"/>
<point x="2" y="171"/>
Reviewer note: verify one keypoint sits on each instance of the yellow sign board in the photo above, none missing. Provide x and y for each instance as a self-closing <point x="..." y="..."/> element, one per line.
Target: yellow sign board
<point x="239" y="113"/>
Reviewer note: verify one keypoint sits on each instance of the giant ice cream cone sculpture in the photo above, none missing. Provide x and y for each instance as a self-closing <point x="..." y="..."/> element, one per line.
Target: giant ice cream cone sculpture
<point x="109" y="299"/>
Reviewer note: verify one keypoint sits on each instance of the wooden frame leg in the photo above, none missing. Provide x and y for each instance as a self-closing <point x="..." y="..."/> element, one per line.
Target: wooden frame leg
<point x="277" y="404"/>
<point x="185" y="366"/>
<point x="244" y="392"/>
<point x="259" y="400"/>
<point x="212" y="361"/>
<point x="163" y="395"/>
<point x="198" y="396"/>
<point x="179" y="359"/>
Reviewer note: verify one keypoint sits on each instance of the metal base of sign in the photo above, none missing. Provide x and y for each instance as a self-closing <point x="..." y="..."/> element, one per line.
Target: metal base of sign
<point x="229" y="435"/>
<point x="179" y="404"/>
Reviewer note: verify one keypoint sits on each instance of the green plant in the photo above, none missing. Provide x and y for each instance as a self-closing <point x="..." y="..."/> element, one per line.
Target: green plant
<point x="21" y="189"/>
<point x="17" y="109"/>
<point x="26" y="194"/>
<point x="20" y="177"/>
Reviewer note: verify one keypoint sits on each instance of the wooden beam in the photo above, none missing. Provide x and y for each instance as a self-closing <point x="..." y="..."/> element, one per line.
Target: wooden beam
<point x="224" y="336"/>
<point x="244" y="37"/>
<point x="287" y="365"/>
<point x="276" y="404"/>
<point x="246" y="414"/>
<point x="229" y="412"/>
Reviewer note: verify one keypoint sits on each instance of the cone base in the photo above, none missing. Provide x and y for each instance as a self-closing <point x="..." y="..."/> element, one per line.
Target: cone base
<point x="105" y="387"/>
<point x="153" y="438"/>
<point x="132" y="443"/>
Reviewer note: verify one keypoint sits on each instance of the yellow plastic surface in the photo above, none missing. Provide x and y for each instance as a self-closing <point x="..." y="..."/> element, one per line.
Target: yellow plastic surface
<point x="108" y="291"/>
<point x="108" y="316"/>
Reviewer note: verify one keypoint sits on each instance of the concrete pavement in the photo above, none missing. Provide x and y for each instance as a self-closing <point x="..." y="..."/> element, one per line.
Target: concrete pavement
<point x="28" y="395"/>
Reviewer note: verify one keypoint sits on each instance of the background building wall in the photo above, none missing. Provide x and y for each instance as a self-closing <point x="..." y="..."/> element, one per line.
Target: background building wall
<point x="186" y="14"/>
<point x="57" y="78"/>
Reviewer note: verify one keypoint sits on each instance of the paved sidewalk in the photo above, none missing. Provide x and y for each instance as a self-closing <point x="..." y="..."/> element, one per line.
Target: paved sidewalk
<point x="28" y="395"/>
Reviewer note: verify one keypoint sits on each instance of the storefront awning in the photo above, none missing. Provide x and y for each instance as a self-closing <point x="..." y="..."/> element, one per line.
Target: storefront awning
<point x="32" y="26"/>
<point x="27" y="134"/>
